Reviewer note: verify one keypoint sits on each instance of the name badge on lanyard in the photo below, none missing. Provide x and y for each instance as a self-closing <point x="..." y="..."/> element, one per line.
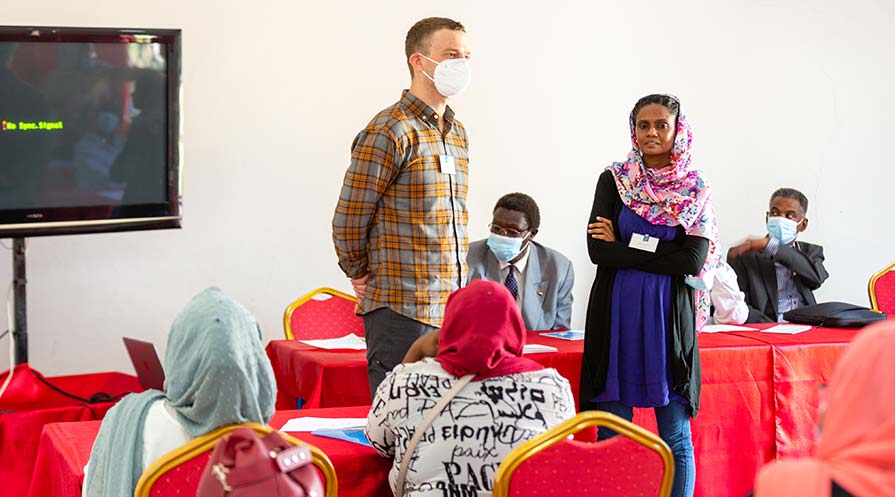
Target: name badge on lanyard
<point x="643" y="242"/>
<point x="446" y="164"/>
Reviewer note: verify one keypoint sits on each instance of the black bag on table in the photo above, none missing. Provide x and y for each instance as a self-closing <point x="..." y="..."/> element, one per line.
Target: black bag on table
<point x="834" y="315"/>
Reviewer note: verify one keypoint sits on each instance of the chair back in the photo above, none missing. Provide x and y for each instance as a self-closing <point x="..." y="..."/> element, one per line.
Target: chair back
<point x="636" y="462"/>
<point x="178" y="472"/>
<point x="882" y="290"/>
<point x="323" y="313"/>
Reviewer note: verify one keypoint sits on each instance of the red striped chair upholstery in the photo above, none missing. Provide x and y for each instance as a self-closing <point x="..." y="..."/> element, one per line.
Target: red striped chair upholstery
<point x="323" y="313"/>
<point x="882" y="290"/>
<point x="635" y="463"/>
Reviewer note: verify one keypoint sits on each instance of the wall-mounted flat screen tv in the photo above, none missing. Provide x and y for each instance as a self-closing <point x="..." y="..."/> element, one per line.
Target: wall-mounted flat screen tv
<point x="89" y="130"/>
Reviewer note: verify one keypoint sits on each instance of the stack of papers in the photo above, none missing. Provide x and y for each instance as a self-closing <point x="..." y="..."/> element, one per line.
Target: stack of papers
<point x="349" y="341"/>
<point x="565" y="335"/>
<point x="787" y="329"/>
<point x="535" y="348"/>
<point x="720" y="328"/>
<point x="312" y="424"/>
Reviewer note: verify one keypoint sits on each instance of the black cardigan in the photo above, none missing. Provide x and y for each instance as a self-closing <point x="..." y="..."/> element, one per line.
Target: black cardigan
<point x="684" y="255"/>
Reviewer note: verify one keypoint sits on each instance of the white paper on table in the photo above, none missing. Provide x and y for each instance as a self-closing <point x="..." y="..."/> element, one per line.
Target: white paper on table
<point x="311" y="424"/>
<point x="720" y="328"/>
<point x="349" y="341"/>
<point x="536" y="348"/>
<point x="787" y="329"/>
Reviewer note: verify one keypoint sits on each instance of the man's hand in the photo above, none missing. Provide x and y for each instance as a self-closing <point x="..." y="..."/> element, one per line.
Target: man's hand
<point x="424" y="346"/>
<point x="602" y="230"/>
<point x="750" y="245"/>
<point x="360" y="285"/>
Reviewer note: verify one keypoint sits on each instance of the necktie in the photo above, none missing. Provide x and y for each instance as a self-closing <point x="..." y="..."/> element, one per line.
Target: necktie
<point x="510" y="282"/>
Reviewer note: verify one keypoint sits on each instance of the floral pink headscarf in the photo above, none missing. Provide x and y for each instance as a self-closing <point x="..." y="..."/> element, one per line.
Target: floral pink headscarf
<point x="672" y="196"/>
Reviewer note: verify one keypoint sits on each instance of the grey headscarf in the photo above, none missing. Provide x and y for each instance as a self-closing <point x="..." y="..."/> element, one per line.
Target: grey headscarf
<point x="216" y="373"/>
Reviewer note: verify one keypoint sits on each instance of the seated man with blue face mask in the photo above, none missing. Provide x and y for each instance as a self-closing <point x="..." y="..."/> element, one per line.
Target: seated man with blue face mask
<point x="778" y="273"/>
<point x="540" y="278"/>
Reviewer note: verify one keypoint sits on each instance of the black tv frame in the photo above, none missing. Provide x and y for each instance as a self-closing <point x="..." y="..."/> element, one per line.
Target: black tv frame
<point x="20" y="223"/>
<point x="78" y="220"/>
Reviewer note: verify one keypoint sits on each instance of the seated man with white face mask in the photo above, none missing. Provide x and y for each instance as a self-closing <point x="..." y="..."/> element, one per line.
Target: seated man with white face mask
<point x="778" y="273"/>
<point x="540" y="279"/>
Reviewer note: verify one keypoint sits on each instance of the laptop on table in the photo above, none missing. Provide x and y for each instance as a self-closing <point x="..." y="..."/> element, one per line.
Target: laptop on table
<point x="146" y="363"/>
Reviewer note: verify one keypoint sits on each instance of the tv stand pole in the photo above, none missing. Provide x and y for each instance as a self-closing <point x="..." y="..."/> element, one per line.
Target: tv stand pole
<point x="20" y="314"/>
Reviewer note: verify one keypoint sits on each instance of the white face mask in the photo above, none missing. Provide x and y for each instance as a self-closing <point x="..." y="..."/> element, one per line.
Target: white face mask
<point x="451" y="76"/>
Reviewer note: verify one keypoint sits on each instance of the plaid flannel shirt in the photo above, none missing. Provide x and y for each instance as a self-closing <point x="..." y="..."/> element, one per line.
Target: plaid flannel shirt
<point x="399" y="217"/>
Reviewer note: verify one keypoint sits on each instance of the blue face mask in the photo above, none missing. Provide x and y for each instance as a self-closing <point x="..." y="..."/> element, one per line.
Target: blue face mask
<point x="504" y="247"/>
<point x="783" y="229"/>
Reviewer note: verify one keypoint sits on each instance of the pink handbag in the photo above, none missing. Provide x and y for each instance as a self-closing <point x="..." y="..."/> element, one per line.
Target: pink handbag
<point x="243" y="465"/>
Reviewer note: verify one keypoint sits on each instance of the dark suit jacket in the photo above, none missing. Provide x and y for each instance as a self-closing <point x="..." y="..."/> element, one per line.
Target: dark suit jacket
<point x="547" y="299"/>
<point x="757" y="277"/>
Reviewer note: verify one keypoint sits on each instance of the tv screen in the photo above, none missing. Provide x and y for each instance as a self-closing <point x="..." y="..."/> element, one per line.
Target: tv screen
<point x="89" y="130"/>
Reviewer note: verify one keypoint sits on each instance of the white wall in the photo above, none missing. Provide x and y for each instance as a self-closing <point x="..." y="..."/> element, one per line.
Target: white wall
<point x="780" y="93"/>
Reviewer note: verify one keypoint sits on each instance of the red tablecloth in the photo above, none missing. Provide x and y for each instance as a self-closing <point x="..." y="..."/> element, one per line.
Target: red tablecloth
<point x="65" y="449"/>
<point x="321" y="378"/>
<point x="360" y="470"/>
<point x="338" y="378"/>
<point x="20" y="429"/>
<point x="759" y="394"/>
<point x="801" y="363"/>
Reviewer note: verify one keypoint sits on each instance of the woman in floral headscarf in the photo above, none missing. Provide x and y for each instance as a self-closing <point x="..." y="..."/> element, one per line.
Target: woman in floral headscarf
<point x="654" y="240"/>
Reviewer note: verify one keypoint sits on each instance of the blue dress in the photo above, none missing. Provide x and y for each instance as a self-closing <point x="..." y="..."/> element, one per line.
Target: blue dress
<point x="639" y="373"/>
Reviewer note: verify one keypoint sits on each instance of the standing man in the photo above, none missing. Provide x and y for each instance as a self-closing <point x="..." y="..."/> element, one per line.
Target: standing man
<point x="538" y="277"/>
<point x="400" y="224"/>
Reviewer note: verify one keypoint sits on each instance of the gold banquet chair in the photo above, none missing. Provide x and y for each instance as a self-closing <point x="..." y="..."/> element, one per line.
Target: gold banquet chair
<point x="323" y="313"/>
<point x="882" y="290"/>
<point x="636" y="462"/>
<point x="178" y="472"/>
